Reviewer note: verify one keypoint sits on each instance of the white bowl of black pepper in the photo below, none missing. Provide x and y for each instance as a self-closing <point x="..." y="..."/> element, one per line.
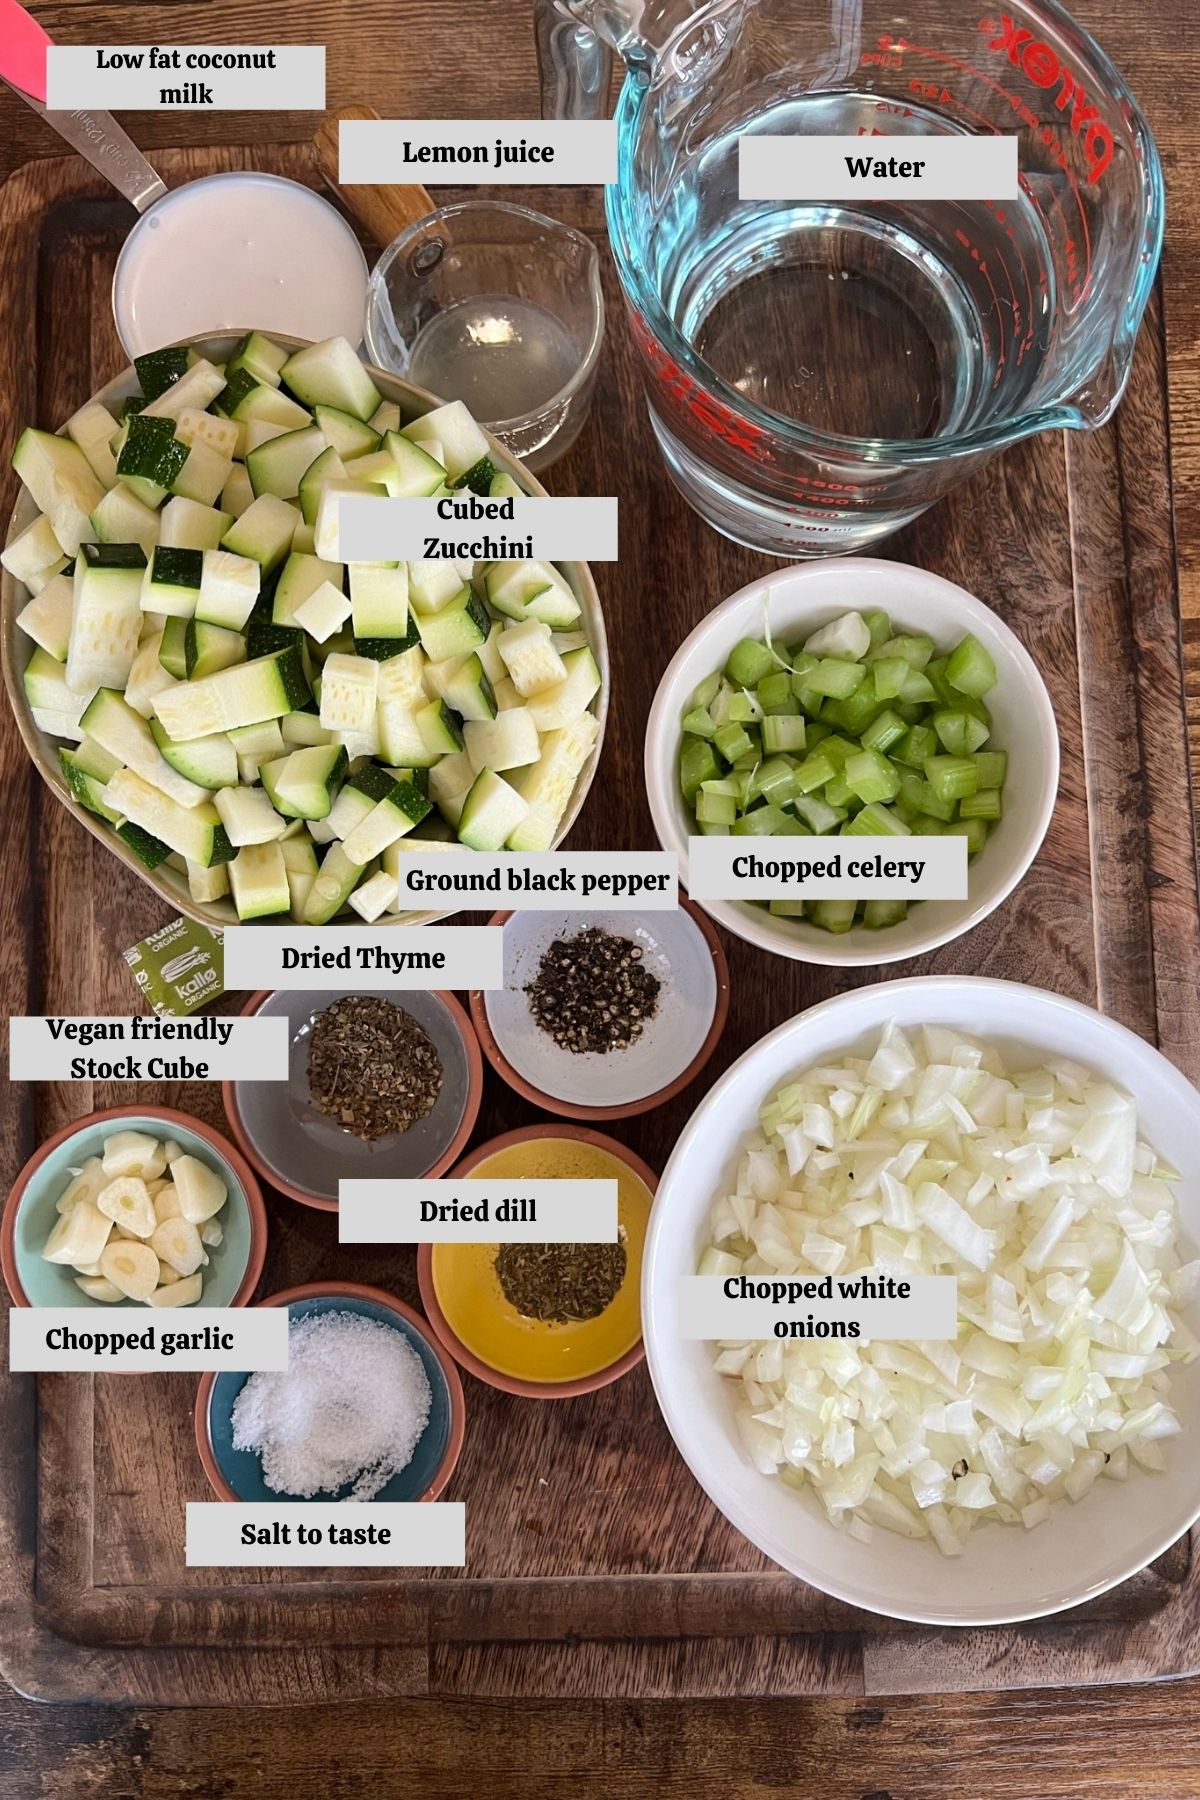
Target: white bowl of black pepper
<point x="604" y="1015"/>
<point x="376" y="1087"/>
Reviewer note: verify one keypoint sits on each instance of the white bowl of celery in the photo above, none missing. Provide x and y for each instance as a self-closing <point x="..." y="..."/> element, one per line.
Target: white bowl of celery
<point x="864" y="698"/>
<point x="259" y="730"/>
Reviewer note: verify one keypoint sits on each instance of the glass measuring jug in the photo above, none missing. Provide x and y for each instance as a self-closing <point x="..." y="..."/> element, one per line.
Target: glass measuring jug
<point x="817" y="375"/>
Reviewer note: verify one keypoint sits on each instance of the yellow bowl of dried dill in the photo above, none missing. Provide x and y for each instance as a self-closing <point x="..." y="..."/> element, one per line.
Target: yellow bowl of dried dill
<point x="545" y="1320"/>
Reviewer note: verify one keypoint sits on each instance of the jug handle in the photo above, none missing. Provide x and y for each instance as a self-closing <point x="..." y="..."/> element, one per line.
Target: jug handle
<point x="574" y="64"/>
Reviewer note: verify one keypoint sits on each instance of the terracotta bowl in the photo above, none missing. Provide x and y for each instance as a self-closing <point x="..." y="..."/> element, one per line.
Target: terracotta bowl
<point x="682" y="948"/>
<point x="235" y="1265"/>
<point x="438" y="1449"/>
<point x="303" y="1153"/>
<point x="636" y="1226"/>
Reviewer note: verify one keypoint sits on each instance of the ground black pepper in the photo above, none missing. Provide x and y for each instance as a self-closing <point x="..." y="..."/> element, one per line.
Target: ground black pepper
<point x="561" y="1283"/>
<point x="371" y="1067"/>
<point x="592" y="992"/>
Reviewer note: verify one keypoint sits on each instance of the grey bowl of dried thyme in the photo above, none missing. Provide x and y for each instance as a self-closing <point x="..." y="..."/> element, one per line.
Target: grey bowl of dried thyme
<point x="378" y="1085"/>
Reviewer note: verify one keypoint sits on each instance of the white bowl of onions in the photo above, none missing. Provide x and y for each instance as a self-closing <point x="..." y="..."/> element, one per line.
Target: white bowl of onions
<point x="1047" y="1158"/>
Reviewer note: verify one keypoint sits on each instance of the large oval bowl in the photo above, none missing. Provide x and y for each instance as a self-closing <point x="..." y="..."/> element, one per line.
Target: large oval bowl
<point x="170" y="883"/>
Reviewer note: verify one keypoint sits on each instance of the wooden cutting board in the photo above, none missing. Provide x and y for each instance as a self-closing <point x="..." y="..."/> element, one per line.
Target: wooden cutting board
<point x="596" y="1565"/>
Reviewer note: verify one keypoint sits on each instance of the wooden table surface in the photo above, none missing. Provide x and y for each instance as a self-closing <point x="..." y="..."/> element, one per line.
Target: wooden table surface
<point x="422" y="58"/>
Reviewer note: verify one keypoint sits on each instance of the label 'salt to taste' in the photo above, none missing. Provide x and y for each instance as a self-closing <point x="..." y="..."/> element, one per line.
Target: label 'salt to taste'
<point x="871" y="1304"/>
<point x="543" y="880"/>
<point x="502" y="1209"/>
<point x="135" y="1340"/>
<point x="816" y="868"/>
<point x="395" y="956"/>
<point x="919" y="167"/>
<point x="532" y="152"/>
<point x="464" y="528"/>
<point x="148" y="1048"/>
<point x="186" y="77"/>
<point x="269" y="1534"/>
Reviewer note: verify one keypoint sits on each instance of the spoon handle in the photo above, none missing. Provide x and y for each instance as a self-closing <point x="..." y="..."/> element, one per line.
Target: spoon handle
<point x="383" y="212"/>
<point x="99" y="140"/>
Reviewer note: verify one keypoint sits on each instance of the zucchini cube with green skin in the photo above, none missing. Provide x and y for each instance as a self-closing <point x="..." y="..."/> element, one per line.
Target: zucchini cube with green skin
<point x="301" y="576"/>
<point x="331" y="374"/>
<point x="457" y="630"/>
<point x="439" y="729"/>
<point x="194" y="832"/>
<point x="464" y="445"/>
<point x="332" y="887"/>
<point x="346" y="434"/>
<point x="146" y="847"/>
<point x="151" y="458"/>
<point x="171" y="584"/>
<point x="85" y="787"/>
<point x="263" y="532"/>
<point x="379" y="599"/>
<point x="157" y="370"/>
<point x="209" y="648"/>
<point x="302" y="785"/>
<point x="433" y="583"/>
<point x="266" y="688"/>
<point x="391" y="818"/>
<point x="491" y="812"/>
<point x="510" y="741"/>
<point x="532" y="590"/>
<point x="361" y="793"/>
<point x="326" y="468"/>
<point x="556" y="706"/>
<point x="260" y="357"/>
<point x="547" y="785"/>
<point x="172" y="648"/>
<point x="243" y="398"/>
<point x="106" y="616"/>
<point x="187" y="525"/>
<point x="210" y="762"/>
<point x="469" y="691"/>
<point x="278" y="465"/>
<point x="326" y="528"/>
<point x="203" y="475"/>
<point x="258" y="881"/>
<point x="62" y="482"/>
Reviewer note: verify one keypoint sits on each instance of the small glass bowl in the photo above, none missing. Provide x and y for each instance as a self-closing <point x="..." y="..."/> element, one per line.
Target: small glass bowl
<point x="482" y="299"/>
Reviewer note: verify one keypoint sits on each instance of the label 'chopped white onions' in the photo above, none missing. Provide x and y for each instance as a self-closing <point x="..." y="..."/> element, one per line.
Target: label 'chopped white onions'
<point x="1035" y="1191"/>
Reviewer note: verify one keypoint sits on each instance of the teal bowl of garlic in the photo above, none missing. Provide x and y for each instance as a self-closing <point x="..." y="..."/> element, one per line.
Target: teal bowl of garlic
<point x="382" y="1405"/>
<point x="234" y="1256"/>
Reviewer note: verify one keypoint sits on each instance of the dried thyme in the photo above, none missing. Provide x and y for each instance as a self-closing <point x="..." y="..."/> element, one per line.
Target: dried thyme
<point x="592" y="992"/>
<point x="371" y="1067"/>
<point x="561" y="1283"/>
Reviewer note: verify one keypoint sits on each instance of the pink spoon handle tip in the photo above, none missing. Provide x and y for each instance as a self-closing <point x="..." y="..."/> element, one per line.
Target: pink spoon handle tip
<point x="22" y="50"/>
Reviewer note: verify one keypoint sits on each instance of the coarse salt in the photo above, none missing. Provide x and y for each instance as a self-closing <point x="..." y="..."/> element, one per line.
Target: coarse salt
<point x="350" y="1408"/>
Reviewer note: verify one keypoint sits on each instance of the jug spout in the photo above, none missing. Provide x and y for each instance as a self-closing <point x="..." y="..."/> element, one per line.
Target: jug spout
<point x="576" y="39"/>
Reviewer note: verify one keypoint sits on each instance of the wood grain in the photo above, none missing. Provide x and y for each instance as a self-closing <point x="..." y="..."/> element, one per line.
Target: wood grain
<point x="381" y="212"/>
<point x="596" y="1566"/>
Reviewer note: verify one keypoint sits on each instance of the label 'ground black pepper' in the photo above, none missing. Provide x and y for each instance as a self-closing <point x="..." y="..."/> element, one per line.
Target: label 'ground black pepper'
<point x="592" y="992"/>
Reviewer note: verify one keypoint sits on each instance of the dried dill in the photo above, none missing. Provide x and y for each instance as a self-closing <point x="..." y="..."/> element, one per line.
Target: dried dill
<point x="371" y="1067"/>
<point x="561" y="1283"/>
<point x="592" y="992"/>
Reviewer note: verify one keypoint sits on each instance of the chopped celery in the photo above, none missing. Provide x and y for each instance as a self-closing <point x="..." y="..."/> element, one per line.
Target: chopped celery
<point x="788" y="909"/>
<point x="991" y="766"/>
<point x="871" y="776"/>
<point x="916" y="747"/>
<point x="732" y="741"/>
<point x="879" y="913"/>
<point x="974" y="830"/>
<point x="935" y="675"/>
<point x="774" y="693"/>
<point x="888" y="675"/>
<point x="817" y="814"/>
<point x="743" y="709"/>
<point x="879" y="626"/>
<point x="875" y="821"/>
<point x="914" y="648"/>
<point x="699" y="722"/>
<point x="970" y="668"/>
<point x="696" y="764"/>
<point x="951" y="777"/>
<point x="986" y="805"/>
<point x="706" y="693"/>
<point x="835" y="677"/>
<point x="814" y="771"/>
<point x="748" y="662"/>
<point x="832" y="915"/>
<point x="715" y="808"/>
<point x="959" y="733"/>
<point x="781" y="731"/>
<point x="773" y="779"/>
<point x="885" y="729"/>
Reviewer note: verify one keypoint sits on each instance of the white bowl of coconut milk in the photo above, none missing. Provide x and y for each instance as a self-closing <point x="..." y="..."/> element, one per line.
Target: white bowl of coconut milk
<point x="241" y="246"/>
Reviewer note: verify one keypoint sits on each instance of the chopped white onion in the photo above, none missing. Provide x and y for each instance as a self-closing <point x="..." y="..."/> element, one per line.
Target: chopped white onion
<point x="1033" y="1189"/>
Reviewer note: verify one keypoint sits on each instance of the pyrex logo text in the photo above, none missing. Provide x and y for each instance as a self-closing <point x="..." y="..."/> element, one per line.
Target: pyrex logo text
<point x="1036" y="59"/>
